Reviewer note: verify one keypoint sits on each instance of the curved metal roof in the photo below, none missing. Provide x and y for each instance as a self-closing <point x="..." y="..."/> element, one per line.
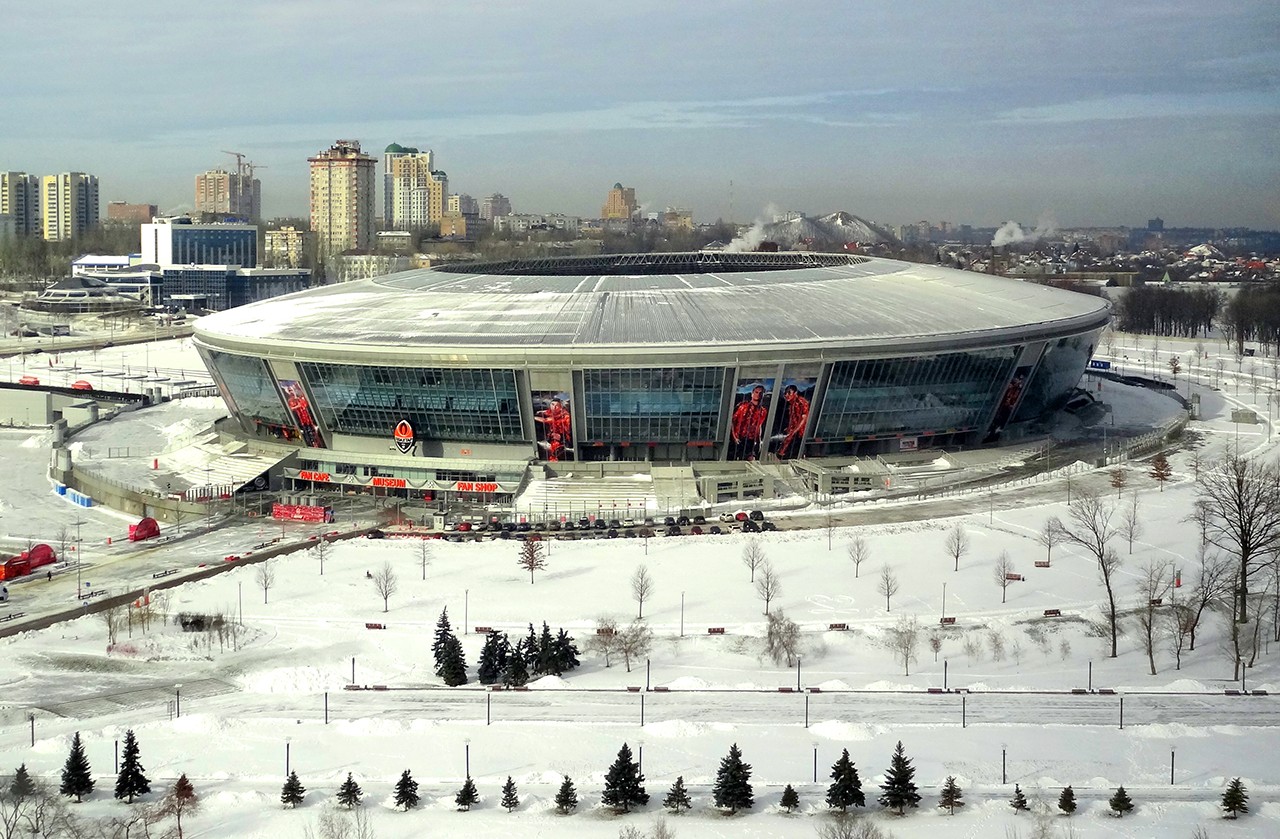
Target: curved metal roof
<point x="722" y="301"/>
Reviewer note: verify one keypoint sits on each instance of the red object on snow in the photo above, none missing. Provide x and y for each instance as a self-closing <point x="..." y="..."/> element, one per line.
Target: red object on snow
<point x="81" y="384"/>
<point x="27" y="561"/>
<point x="148" y="528"/>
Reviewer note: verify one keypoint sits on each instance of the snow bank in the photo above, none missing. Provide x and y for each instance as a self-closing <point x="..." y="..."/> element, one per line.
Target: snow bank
<point x="836" y="730"/>
<point x="678" y="729"/>
<point x="292" y="680"/>
<point x="549" y="683"/>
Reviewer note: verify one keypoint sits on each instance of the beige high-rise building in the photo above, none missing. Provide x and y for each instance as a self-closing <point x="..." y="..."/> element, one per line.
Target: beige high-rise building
<point x="68" y="205"/>
<point x="20" y="200"/>
<point x="342" y="199"/>
<point x="417" y="191"/>
<point x="620" y="204"/>
<point x="223" y="193"/>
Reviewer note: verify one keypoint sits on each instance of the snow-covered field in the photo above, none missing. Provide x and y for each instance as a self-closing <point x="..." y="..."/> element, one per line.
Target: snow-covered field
<point x="247" y="701"/>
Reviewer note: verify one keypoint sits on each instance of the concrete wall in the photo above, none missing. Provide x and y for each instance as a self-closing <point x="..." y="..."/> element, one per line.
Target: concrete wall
<point x="24" y="406"/>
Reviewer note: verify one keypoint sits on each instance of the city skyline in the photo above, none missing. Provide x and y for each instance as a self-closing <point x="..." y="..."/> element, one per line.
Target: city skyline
<point x="1089" y="115"/>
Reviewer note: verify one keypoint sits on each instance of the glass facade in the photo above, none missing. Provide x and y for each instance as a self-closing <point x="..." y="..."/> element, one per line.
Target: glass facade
<point x="653" y="404"/>
<point x="940" y="393"/>
<point x="251" y="388"/>
<point x="217" y="246"/>
<point x="441" y="404"/>
<point x="1059" y="370"/>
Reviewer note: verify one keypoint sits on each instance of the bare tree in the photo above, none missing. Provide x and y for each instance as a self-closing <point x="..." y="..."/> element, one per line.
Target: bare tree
<point x="957" y="544"/>
<point x="1213" y="585"/>
<point x="1131" y="521"/>
<point x="634" y="642"/>
<point x="605" y="640"/>
<point x="753" y="557"/>
<point x="888" y="585"/>
<point x="1119" y="479"/>
<point x="768" y="585"/>
<point x="1241" y="517"/>
<point x="265" y="576"/>
<point x="385" y="583"/>
<point x="180" y="800"/>
<point x="848" y="826"/>
<point x="859" y="552"/>
<point x="113" y="617"/>
<point x="935" y="643"/>
<point x="641" y="588"/>
<point x="903" y="639"/>
<point x="424" y="555"/>
<point x="781" y="638"/>
<point x="322" y="548"/>
<point x="530" y="559"/>
<point x="1153" y="587"/>
<point x="1089" y="527"/>
<point x="1051" y="536"/>
<point x="1001" y="572"/>
<point x="1178" y="630"/>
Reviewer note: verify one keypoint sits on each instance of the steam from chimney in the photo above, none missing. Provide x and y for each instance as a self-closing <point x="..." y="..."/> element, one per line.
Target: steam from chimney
<point x="1011" y="232"/>
<point x="751" y="239"/>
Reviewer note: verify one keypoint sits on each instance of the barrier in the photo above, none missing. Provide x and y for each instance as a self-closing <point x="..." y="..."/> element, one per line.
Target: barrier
<point x="160" y="574"/>
<point x="13" y="616"/>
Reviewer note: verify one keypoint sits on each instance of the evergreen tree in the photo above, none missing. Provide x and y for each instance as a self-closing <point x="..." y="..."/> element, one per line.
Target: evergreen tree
<point x="623" y="783"/>
<point x="548" y="662"/>
<point x="22" y="787"/>
<point x="131" y="782"/>
<point x="533" y="654"/>
<point x="790" y="798"/>
<point x="846" y="787"/>
<point x="1067" y="801"/>
<point x="677" y="797"/>
<point x="567" y="798"/>
<point x="516" y="673"/>
<point x="1236" y="799"/>
<point x="77" y="778"/>
<point x="566" y="652"/>
<point x="466" y="796"/>
<point x="951" y="795"/>
<point x="1121" y="803"/>
<point x="349" y="794"/>
<point x="899" y="783"/>
<point x="1019" y="801"/>
<point x="453" y="663"/>
<point x="510" y="799"/>
<point x="443" y="633"/>
<point x="293" y="791"/>
<point x="493" y="657"/>
<point x="732" y="788"/>
<point x="406" y="791"/>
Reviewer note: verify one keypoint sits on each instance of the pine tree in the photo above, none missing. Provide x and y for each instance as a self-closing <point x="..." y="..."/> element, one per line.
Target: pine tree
<point x="1121" y="803"/>
<point x="846" y="787"/>
<point x="77" y="778"/>
<point x="1067" y="801"/>
<point x="22" y="787"/>
<point x="533" y="654"/>
<point x="516" y="673"/>
<point x="677" y="798"/>
<point x="790" y="798"/>
<point x="493" y="657"/>
<point x="293" y="791"/>
<point x="443" y="633"/>
<point x="453" y="663"/>
<point x="466" y="796"/>
<point x="1019" y="801"/>
<point x="510" y="799"/>
<point x="732" y="788"/>
<point x="899" y="785"/>
<point x="951" y="795"/>
<point x="548" y="663"/>
<point x="623" y="783"/>
<point x="131" y="783"/>
<point x="406" y="791"/>
<point x="567" y="798"/>
<point x="1236" y="799"/>
<point x="566" y="652"/>
<point x="349" y="794"/>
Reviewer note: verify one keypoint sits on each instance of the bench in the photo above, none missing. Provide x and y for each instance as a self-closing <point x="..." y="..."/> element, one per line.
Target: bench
<point x="89" y="594"/>
<point x="160" y="574"/>
<point x="1053" y="613"/>
<point x="483" y="630"/>
<point x="380" y="687"/>
<point x="1079" y="691"/>
<point x="1016" y="578"/>
<point x="1106" y="692"/>
<point x="715" y="630"/>
<point x="661" y="689"/>
<point x="1157" y="601"/>
<point x="1260" y="693"/>
<point x="633" y="688"/>
<point x="934" y="690"/>
<point x="13" y="616"/>
<point x="838" y="627"/>
<point x="1230" y="692"/>
<point x="1042" y="563"/>
<point x="786" y="690"/>
<point x="604" y="630"/>
<point x="947" y="621"/>
<point x="374" y="626"/>
<point x="815" y="690"/>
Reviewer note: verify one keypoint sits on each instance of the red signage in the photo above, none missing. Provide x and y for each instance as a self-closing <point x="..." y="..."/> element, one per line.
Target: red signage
<point x="395" y="483"/>
<point x="309" y="475"/>
<point x="301" y="512"/>
<point x="476" y="486"/>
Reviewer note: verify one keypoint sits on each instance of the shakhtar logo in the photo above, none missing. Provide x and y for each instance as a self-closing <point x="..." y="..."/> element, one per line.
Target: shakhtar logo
<point x="403" y="436"/>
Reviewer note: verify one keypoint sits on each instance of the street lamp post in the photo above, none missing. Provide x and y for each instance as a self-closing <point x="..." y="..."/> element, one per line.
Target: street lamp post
<point x="1172" y="750"/>
<point x="815" y="761"/>
<point x="797" y="673"/>
<point x="682" y="614"/>
<point x="640" y="757"/>
<point x="466" y="747"/>
<point x="177" y="700"/>
<point x="286" y="756"/>
<point x="1004" y="771"/>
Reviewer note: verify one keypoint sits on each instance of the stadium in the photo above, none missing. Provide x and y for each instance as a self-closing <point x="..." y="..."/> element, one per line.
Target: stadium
<point x="464" y="380"/>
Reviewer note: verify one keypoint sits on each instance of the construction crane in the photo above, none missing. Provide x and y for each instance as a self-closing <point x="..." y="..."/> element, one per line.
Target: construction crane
<point x="239" y="156"/>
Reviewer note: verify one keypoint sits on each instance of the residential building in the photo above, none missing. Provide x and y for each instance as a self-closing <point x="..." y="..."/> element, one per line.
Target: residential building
<point x="363" y="266"/>
<point x="223" y="193"/>
<point x="8" y="228"/>
<point x="453" y="226"/>
<point x="393" y="241"/>
<point x="525" y="222"/>
<point x="125" y="213"/>
<point x="494" y="206"/>
<point x="68" y="205"/>
<point x="677" y="218"/>
<point x="418" y="192"/>
<point x="20" y="200"/>
<point x="287" y="247"/>
<point x="394" y="152"/>
<point x="620" y="203"/>
<point x="177" y="241"/>
<point x="342" y="199"/>
<point x="462" y="204"/>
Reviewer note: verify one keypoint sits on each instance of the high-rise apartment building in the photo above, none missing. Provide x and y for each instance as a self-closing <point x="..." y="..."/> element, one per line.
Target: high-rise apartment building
<point x="125" y="213"/>
<point x="620" y="203"/>
<point x="394" y="152"/>
<point x="68" y="205"/>
<point x="461" y="204"/>
<point x="417" y="192"/>
<point x="495" y="205"/>
<point x="223" y="193"/>
<point x="342" y="199"/>
<point x="20" y="201"/>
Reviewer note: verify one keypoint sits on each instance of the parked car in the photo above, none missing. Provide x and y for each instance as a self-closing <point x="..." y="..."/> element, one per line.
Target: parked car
<point x="554" y="526"/>
<point x="613" y="533"/>
<point x="648" y="521"/>
<point x="728" y="517"/>
<point x="683" y="521"/>
<point x="524" y="527"/>
<point x="673" y="531"/>
<point x="756" y="515"/>
<point x="768" y="526"/>
<point x="669" y="521"/>
<point x="630" y="534"/>
<point x="715" y="530"/>
<point x="628" y="522"/>
<point x="741" y="515"/>
<point x="695" y="531"/>
<point x="699" y="519"/>
<point x="584" y="522"/>
<point x="462" y="526"/>
<point x="749" y="526"/>
<point x="375" y="534"/>
<point x="614" y="523"/>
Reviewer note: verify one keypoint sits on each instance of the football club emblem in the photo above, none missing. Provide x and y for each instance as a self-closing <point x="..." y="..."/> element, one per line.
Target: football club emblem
<point x="403" y="436"/>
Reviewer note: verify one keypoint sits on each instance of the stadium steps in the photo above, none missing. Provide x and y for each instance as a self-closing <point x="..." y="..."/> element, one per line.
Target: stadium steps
<point x="570" y="496"/>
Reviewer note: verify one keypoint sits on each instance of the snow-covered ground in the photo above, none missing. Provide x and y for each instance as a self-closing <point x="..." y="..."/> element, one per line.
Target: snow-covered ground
<point x="247" y="700"/>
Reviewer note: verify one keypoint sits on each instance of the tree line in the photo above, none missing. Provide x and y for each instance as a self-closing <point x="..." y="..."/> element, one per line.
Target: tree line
<point x="1253" y="315"/>
<point x="1157" y="310"/>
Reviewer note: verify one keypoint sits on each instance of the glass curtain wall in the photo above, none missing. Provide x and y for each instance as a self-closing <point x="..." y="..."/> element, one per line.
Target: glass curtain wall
<point x="441" y="404"/>
<point x="1060" y="369"/>
<point x="251" y="387"/>
<point x="955" y="392"/>
<point x="653" y="404"/>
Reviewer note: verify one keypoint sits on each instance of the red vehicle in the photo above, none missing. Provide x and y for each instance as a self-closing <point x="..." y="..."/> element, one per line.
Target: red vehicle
<point x="28" y="380"/>
<point x="148" y="528"/>
<point x="463" y="526"/>
<point x="27" y="561"/>
<point x="81" y="384"/>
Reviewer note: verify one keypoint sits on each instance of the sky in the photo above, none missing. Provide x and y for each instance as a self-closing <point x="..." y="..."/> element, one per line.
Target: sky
<point x="1086" y="113"/>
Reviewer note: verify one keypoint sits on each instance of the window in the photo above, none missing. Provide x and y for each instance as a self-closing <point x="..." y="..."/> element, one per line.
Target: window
<point x="653" y="404"/>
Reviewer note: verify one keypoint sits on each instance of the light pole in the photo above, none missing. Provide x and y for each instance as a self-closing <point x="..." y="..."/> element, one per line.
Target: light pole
<point x="79" y="550"/>
<point x="466" y="747"/>
<point x="944" y="601"/>
<point x="177" y="700"/>
<point x="466" y="609"/>
<point x="1004" y="773"/>
<point x="682" y="614"/>
<point x="815" y="761"/>
<point x="640" y="757"/>
<point x="286" y="756"/>
<point x="797" y="673"/>
<point x="1172" y="749"/>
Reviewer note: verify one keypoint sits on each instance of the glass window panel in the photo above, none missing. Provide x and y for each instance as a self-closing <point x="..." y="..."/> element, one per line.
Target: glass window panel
<point x="251" y="387"/>
<point x="653" y="404"/>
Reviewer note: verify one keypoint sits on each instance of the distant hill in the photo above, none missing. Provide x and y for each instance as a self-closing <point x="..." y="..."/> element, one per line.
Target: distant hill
<point x="830" y="232"/>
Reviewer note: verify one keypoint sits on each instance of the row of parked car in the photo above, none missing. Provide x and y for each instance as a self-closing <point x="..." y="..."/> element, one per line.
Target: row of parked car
<point x="587" y="528"/>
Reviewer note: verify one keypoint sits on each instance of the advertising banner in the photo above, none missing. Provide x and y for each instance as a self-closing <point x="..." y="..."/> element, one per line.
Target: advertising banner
<point x="750" y="411"/>
<point x="792" y="416"/>
<point x="554" y="421"/>
<point x="300" y="408"/>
